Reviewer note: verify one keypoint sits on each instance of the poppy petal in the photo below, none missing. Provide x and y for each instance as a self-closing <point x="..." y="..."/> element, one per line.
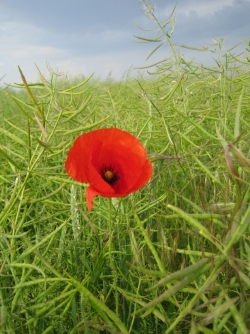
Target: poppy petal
<point x="111" y="152"/>
<point x="90" y="194"/>
<point x="127" y="163"/>
<point x="77" y="163"/>
<point x="144" y="177"/>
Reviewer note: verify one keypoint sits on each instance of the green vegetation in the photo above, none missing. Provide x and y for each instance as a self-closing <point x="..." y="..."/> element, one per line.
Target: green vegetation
<point x="173" y="257"/>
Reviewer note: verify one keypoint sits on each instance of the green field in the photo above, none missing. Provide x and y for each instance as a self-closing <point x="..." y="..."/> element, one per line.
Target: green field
<point x="172" y="257"/>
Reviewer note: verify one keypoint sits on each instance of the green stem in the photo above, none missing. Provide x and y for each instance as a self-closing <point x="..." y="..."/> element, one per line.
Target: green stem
<point x="112" y="263"/>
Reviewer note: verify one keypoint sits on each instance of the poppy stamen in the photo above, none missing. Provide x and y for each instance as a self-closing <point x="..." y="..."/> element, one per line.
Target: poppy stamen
<point x="103" y="158"/>
<point x="109" y="175"/>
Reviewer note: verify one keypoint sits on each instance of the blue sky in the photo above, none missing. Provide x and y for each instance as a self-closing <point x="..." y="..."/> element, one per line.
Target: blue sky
<point x="84" y="36"/>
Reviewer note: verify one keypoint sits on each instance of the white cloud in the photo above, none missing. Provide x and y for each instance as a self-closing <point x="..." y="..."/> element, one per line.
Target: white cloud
<point x="202" y="7"/>
<point x="20" y="40"/>
<point x="111" y="35"/>
<point x="34" y="52"/>
<point x="75" y="45"/>
<point x="112" y="63"/>
<point x="101" y="52"/>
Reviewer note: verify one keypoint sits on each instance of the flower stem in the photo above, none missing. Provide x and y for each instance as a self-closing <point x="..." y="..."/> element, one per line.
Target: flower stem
<point x="111" y="259"/>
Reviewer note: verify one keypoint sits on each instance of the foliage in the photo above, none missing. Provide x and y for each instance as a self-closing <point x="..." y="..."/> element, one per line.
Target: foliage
<point x="170" y="258"/>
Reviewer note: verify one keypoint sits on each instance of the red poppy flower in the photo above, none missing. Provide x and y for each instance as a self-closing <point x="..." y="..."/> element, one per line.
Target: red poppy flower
<point x="113" y="161"/>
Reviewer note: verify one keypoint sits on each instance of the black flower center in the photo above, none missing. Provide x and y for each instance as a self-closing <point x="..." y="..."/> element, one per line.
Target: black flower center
<point x="109" y="175"/>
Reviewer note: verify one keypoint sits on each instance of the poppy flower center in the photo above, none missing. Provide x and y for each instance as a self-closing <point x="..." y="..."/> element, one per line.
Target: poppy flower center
<point x="109" y="175"/>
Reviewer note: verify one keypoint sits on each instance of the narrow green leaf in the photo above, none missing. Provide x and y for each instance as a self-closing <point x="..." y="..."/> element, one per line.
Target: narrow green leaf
<point x="157" y="313"/>
<point x="193" y="48"/>
<point x="49" y="329"/>
<point x="97" y="270"/>
<point x="42" y="143"/>
<point x="149" y="243"/>
<point x="183" y="272"/>
<point x="176" y="287"/>
<point x="167" y="97"/>
<point x="193" y="222"/>
<point x="154" y="50"/>
<point x="30" y="94"/>
<point x="196" y="125"/>
<point x="81" y="109"/>
<point x="237" y="116"/>
<point x="27" y="265"/>
<point x="79" y="85"/>
<point x="11" y="161"/>
<point x="39" y="244"/>
<point x="13" y="137"/>
<point x="207" y="171"/>
<point x="157" y="39"/>
<point x="83" y="128"/>
<point x="39" y="281"/>
<point x="98" y="305"/>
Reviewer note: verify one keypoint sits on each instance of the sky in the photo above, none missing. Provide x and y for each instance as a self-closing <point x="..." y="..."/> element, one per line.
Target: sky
<point x="81" y="37"/>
